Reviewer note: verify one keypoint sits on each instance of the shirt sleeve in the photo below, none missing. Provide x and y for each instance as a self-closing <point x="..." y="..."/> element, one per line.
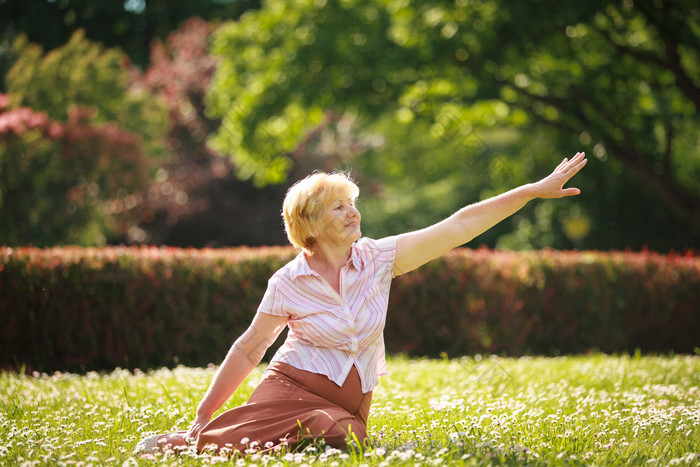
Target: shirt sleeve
<point x="383" y="252"/>
<point x="271" y="302"/>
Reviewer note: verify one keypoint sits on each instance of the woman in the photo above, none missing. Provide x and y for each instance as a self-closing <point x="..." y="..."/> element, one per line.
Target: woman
<point x="333" y="296"/>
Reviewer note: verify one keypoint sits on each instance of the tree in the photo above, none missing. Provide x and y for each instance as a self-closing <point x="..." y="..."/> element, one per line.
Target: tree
<point x="196" y="199"/>
<point x="625" y="78"/>
<point x="283" y="68"/>
<point x="77" y="143"/>
<point x="84" y="73"/>
<point x="59" y="179"/>
<point x="619" y="79"/>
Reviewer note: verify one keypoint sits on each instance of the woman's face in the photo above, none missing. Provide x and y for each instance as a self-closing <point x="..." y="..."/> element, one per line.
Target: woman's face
<point x="340" y="223"/>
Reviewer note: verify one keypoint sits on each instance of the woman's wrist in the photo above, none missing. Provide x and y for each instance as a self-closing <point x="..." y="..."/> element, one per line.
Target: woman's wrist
<point x="531" y="191"/>
<point x="204" y="412"/>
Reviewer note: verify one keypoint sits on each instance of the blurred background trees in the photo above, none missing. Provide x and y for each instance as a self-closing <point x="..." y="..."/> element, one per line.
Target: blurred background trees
<point x="431" y="105"/>
<point x="75" y="139"/>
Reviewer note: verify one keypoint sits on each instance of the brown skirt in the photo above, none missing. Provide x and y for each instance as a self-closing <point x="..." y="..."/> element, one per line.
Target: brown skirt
<point x="290" y="406"/>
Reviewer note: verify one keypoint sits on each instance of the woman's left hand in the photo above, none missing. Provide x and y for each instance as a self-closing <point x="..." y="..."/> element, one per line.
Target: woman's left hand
<point x="196" y="427"/>
<point x="552" y="186"/>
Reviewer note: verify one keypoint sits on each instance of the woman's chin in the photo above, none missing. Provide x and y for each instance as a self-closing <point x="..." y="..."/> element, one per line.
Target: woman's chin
<point x="356" y="234"/>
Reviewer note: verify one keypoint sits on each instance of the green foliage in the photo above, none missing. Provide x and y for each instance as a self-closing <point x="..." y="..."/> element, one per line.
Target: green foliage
<point x="83" y="73"/>
<point x="83" y="309"/>
<point x="622" y="78"/>
<point x="426" y="176"/>
<point x="618" y="80"/>
<point x="273" y="85"/>
<point x="470" y="98"/>
<point x="8" y="55"/>
<point x="74" y="141"/>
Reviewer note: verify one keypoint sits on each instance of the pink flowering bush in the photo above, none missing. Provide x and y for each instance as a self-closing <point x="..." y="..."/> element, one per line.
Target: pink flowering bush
<point x="57" y="177"/>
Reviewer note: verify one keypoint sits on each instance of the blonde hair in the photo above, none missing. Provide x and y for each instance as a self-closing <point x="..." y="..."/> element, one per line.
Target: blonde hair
<point x="307" y="199"/>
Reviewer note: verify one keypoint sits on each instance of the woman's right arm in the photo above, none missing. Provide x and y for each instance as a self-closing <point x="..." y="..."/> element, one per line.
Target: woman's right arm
<point x="243" y="356"/>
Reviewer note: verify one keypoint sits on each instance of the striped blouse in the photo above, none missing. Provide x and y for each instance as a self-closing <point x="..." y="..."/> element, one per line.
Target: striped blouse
<point x="331" y="332"/>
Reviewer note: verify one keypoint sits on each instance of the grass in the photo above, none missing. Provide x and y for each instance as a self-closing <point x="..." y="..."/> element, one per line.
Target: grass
<point x="581" y="410"/>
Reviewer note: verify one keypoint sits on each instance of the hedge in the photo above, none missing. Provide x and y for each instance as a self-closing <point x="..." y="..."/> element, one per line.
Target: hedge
<point x="82" y="309"/>
<point x="76" y="309"/>
<point x="547" y="302"/>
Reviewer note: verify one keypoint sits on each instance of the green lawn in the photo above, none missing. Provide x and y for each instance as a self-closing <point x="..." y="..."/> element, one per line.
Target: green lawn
<point x="597" y="410"/>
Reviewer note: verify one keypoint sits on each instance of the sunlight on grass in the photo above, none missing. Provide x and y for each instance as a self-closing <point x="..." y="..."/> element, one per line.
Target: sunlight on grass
<point x="473" y="411"/>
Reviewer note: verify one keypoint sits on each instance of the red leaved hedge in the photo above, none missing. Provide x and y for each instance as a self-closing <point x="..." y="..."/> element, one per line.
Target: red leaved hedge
<point x="80" y="309"/>
<point x="547" y="302"/>
<point x="77" y="309"/>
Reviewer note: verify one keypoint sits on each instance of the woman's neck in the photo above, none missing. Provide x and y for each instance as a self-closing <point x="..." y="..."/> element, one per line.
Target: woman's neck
<point x="328" y="259"/>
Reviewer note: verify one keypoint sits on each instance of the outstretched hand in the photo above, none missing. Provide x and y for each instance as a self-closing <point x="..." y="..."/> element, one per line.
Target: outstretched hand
<point x="552" y="186"/>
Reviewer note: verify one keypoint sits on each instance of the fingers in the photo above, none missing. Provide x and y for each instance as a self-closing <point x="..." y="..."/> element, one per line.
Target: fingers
<point x="562" y="174"/>
<point x="578" y="158"/>
<point x="561" y="164"/>
<point x="193" y="432"/>
<point x="566" y="164"/>
<point x="570" y="167"/>
<point x="577" y="163"/>
<point x="570" y="192"/>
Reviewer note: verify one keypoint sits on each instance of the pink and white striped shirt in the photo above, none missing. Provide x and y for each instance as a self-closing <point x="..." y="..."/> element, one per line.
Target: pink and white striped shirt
<point x="331" y="332"/>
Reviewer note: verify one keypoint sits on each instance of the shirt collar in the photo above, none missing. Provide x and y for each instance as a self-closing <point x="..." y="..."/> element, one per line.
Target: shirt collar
<point x="300" y="267"/>
<point x="355" y="257"/>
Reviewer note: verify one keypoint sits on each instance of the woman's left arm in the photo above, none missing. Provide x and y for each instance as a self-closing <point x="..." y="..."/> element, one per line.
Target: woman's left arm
<point x="413" y="249"/>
